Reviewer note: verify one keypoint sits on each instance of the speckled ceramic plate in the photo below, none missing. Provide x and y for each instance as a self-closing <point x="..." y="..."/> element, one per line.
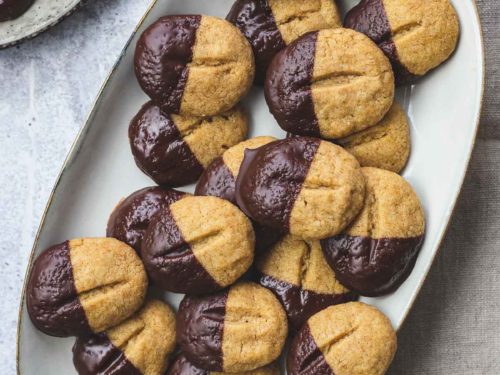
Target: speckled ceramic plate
<point x="444" y="110"/>
<point x="39" y="17"/>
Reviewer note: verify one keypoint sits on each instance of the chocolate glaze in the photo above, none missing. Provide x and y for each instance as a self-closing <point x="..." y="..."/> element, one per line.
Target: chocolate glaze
<point x="169" y="260"/>
<point x="159" y="149"/>
<point x="51" y="296"/>
<point x="96" y="354"/>
<point x="304" y="356"/>
<point x="200" y="326"/>
<point x="271" y="177"/>
<point x="162" y="55"/>
<point x="369" y="17"/>
<point x="371" y="267"/>
<point x="288" y="87"/>
<point x="300" y="304"/>
<point x="130" y="219"/>
<point x="181" y="366"/>
<point x="11" y="9"/>
<point x="256" y="21"/>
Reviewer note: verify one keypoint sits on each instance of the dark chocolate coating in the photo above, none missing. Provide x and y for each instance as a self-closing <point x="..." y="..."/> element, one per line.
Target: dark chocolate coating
<point x="96" y="354"/>
<point x="271" y="177"/>
<point x="51" y="296"/>
<point x="288" y="87"/>
<point x="304" y="356"/>
<point x="371" y="267"/>
<point x="159" y="149"/>
<point x="256" y="21"/>
<point x="169" y="260"/>
<point x="161" y="60"/>
<point x="130" y="219"/>
<point x="369" y="17"/>
<point x="200" y="326"/>
<point x="300" y="304"/>
<point x="181" y="366"/>
<point x="12" y="9"/>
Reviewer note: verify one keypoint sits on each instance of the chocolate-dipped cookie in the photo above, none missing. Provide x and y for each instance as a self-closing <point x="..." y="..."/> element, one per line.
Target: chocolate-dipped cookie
<point x="416" y="35"/>
<point x="240" y="329"/>
<point x="270" y="25"/>
<point x="198" y="245"/>
<point x="11" y="9"/>
<point x="297" y="273"/>
<point x="174" y="150"/>
<point x="84" y="286"/>
<point x="219" y="180"/>
<point x="330" y="84"/>
<point x="192" y="64"/>
<point x="302" y="186"/>
<point x="377" y="252"/>
<point x="140" y="345"/>
<point x="181" y="366"/>
<point x="348" y="339"/>
<point x="132" y="215"/>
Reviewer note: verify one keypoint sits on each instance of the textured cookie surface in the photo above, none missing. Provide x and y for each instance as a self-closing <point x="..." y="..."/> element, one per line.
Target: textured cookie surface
<point x="132" y="215"/>
<point x="11" y="9"/>
<point x="269" y="25"/>
<point x="174" y="150"/>
<point x="329" y="83"/>
<point x="297" y="273"/>
<point x="198" y="245"/>
<point x="375" y="255"/>
<point x="303" y="186"/>
<point x="237" y="330"/>
<point x="197" y="65"/>
<point x="348" y="339"/>
<point x="416" y="35"/>
<point x="85" y="286"/>
<point x="139" y="345"/>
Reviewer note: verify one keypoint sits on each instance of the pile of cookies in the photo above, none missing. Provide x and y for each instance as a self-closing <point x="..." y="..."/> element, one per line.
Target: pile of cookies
<point x="281" y="236"/>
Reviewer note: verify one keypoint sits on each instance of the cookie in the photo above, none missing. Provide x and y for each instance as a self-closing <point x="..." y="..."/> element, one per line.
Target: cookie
<point x="198" y="245"/>
<point x="140" y="345"/>
<point x="297" y="273"/>
<point x="132" y="215"/>
<point x="219" y="180"/>
<point x="84" y="286"/>
<point x="12" y="9"/>
<point x="302" y="186"/>
<point x="376" y="254"/>
<point x="239" y="329"/>
<point x="174" y="150"/>
<point x="349" y="339"/>
<point x="416" y="35"/>
<point x="270" y="25"/>
<point x="330" y="84"/>
<point x="192" y="64"/>
<point x="181" y="366"/>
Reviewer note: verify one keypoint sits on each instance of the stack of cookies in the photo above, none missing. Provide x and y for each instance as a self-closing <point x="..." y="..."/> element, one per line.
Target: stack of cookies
<point x="281" y="236"/>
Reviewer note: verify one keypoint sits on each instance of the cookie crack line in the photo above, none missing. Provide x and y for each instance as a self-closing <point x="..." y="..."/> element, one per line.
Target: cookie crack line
<point x="337" y="79"/>
<point x="305" y="260"/>
<point x="405" y="30"/>
<point x="123" y="346"/>
<point x="298" y="17"/>
<point x="361" y="139"/>
<point x="101" y="288"/>
<point x="327" y="347"/>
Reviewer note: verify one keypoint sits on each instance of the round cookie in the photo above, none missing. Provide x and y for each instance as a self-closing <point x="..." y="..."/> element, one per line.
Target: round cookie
<point x="174" y="150"/>
<point x="198" y="245"/>
<point x="85" y="286"/>
<point x="297" y="273"/>
<point x="416" y="35"/>
<point x="240" y="329"/>
<point x="219" y="180"/>
<point x="181" y="366"/>
<point x="329" y="84"/>
<point x="377" y="252"/>
<point x="12" y="9"/>
<point x="348" y="339"/>
<point x="270" y="25"/>
<point x="132" y="215"/>
<point x="192" y="64"/>
<point x="140" y="345"/>
<point x="303" y="186"/>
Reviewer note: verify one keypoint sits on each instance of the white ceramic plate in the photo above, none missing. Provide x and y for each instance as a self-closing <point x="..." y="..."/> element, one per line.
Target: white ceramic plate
<point x="42" y="15"/>
<point x="443" y="108"/>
